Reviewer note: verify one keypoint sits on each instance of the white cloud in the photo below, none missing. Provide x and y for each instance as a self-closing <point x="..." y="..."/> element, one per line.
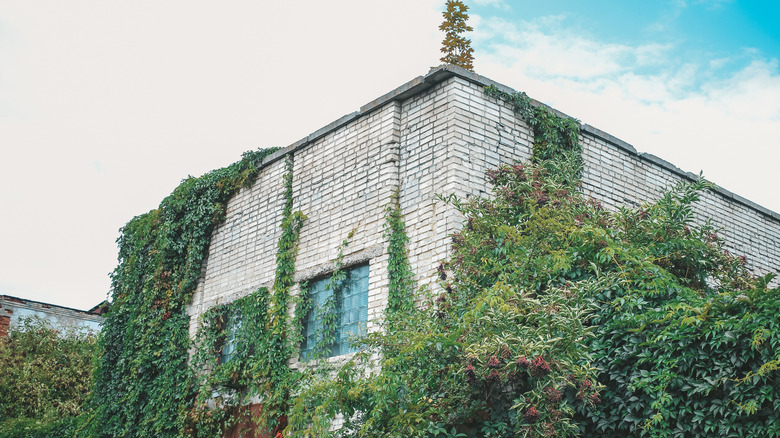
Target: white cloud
<point x="560" y="53"/>
<point x="713" y="4"/>
<point x="495" y="3"/>
<point x="690" y="114"/>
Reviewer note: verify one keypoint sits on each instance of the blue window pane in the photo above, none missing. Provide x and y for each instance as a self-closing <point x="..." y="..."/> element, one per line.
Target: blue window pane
<point x="352" y="308"/>
<point x="229" y="346"/>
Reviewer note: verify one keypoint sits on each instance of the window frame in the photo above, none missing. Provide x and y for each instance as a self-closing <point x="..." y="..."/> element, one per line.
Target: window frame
<point x="228" y="349"/>
<point x="351" y="295"/>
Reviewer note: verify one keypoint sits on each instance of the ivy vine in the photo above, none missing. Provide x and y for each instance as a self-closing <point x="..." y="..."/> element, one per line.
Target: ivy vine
<point x="556" y="144"/>
<point x="400" y="299"/>
<point x="328" y="313"/>
<point x="224" y="387"/>
<point x="258" y="371"/>
<point x="556" y="317"/>
<point x="143" y="380"/>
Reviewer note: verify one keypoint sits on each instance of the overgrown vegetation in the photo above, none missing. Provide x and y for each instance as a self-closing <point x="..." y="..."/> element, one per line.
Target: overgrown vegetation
<point x="556" y="145"/>
<point x="552" y="317"/>
<point x="45" y="378"/>
<point x="333" y="389"/>
<point x="143" y="382"/>
<point x="400" y="299"/>
<point x="556" y="317"/>
<point x="264" y="335"/>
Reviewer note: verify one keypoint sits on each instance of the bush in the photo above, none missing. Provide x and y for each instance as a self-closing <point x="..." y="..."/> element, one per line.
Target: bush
<point x="556" y="317"/>
<point x="46" y="378"/>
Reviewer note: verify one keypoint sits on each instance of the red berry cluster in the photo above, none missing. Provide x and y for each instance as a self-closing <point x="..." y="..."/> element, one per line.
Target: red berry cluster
<point x="471" y="375"/>
<point x="531" y="415"/>
<point x="552" y="395"/>
<point x="522" y="363"/>
<point x="539" y="367"/>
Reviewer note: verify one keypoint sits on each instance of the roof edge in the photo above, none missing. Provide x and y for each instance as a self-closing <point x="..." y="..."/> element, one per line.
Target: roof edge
<point x="437" y="75"/>
<point x="24" y="301"/>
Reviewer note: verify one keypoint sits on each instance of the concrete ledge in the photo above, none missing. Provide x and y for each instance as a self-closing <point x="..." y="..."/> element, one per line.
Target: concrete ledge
<point x="660" y="162"/>
<point x="349" y="260"/>
<point x="403" y="92"/>
<point x="332" y="126"/>
<point x="609" y="139"/>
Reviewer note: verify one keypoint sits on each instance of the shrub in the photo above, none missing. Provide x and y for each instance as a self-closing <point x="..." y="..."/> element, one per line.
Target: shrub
<point x="46" y="378"/>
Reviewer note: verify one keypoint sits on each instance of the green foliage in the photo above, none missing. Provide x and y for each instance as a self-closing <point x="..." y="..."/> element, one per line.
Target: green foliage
<point x="494" y="354"/>
<point x="225" y="385"/>
<point x="684" y="336"/>
<point x="143" y="383"/>
<point x="556" y="317"/>
<point x="552" y="317"/>
<point x="400" y="300"/>
<point x="264" y="342"/>
<point x="279" y="379"/>
<point x="329" y="313"/>
<point x="556" y="138"/>
<point x="456" y="48"/>
<point x="320" y="397"/>
<point x="498" y="352"/>
<point x="45" y="378"/>
<point x="65" y="427"/>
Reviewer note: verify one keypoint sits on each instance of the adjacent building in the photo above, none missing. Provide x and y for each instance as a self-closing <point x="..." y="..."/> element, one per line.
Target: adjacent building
<point x="13" y="310"/>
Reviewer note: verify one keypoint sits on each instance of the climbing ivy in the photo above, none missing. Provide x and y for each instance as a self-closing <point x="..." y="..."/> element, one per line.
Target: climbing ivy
<point x="143" y="382"/>
<point x="552" y="317"/>
<point x="331" y="389"/>
<point x="258" y="370"/>
<point x="224" y="387"/>
<point x="481" y="357"/>
<point x="400" y="299"/>
<point x="684" y="335"/>
<point x="556" y="144"/>
<point x="556" y="317"/>
<point x="278" y="380"/>
<point x="328" y="313"/>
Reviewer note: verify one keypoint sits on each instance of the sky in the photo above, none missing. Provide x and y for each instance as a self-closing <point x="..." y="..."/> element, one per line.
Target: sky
<point x="105" y="106"/>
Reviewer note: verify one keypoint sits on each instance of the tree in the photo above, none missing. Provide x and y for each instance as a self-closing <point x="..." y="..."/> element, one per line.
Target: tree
<point x="456" y="48"/>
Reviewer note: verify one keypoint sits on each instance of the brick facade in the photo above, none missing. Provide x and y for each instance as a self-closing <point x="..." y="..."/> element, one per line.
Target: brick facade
<point x="5" y="324"/>
<point x="437" y="134"/>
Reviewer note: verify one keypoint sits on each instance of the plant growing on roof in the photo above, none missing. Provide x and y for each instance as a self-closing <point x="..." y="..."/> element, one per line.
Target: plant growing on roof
<point x="456" y="47"/>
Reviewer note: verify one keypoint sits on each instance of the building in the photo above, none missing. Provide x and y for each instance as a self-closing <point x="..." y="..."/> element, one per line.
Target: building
<point x="436" y="134"/>
<point x="13" y="309"/>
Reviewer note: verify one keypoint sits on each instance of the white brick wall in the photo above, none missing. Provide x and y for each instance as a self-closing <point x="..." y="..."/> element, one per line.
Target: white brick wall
<point x="435" y="135"/>
<point x="615" y="176"/>
<point x="242" y="254"/>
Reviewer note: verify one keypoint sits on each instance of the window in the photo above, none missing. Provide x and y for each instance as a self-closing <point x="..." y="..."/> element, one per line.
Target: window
<point x="351" y="304"/>
<point x="232" y="325"/>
